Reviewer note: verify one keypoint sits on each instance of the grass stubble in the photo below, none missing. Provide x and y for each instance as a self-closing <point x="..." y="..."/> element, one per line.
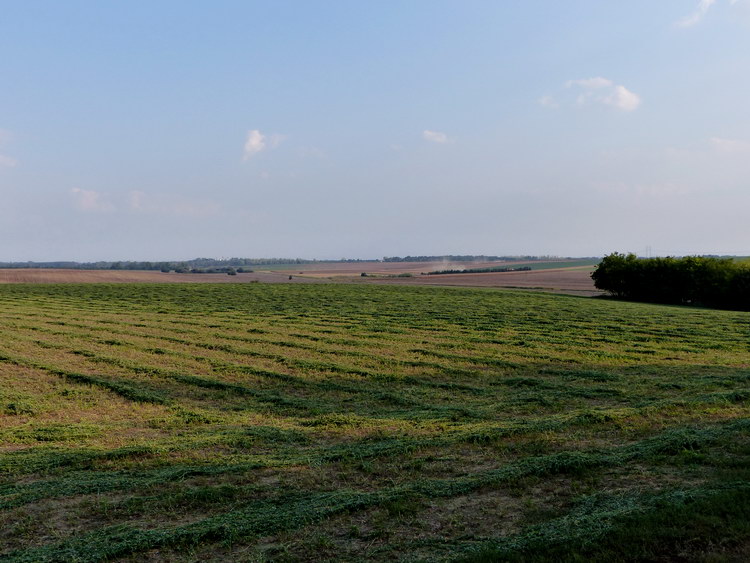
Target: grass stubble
<point x="341" y="422"/>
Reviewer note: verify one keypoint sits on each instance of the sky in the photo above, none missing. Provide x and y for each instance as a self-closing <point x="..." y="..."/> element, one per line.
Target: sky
<point x="169" y="130"/>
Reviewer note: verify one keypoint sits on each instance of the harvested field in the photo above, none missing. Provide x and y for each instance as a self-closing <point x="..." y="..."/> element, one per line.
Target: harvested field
<point x="567" y="280"/>
<point x="348" y="422"/>
<point x="574" y="280"/>
<point x="331" y="269"/>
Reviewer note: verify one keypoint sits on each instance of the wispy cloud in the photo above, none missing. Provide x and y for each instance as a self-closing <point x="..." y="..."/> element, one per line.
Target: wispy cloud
<point x="600" y="91"/>
<point x="257" y="142"/>
<point x="5" y="160"/>
<point x="549" y="102"/>
<point x="91" y="201"/>
<point x="434" y="136"/>
<point x="136" y="200"/>
<point x="590" y="83"/>
<point x="700" y="12"/>
<point x="276" y="139"/>
<point x="730" y="146"/>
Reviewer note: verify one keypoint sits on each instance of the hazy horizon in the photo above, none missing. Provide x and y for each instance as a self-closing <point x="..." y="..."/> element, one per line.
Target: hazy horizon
<point x="264" y="260"/>
<point x="166" y="131"/>
<point x="269" y="259"/>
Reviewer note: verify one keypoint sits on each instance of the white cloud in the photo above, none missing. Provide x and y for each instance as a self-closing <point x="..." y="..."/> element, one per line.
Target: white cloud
<point x="256" y="142"/>
<point x="90" y="200"/>
<point x="604" y="91"/>
<point x="623" y="99"/>
<point x="700" y="11"/>
<point x="730" y="146"/>
<point x="434" y="136"/>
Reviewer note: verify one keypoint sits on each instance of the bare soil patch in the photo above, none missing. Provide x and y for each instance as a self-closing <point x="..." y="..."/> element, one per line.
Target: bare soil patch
<point x="569" y="280"/>
<point x="329" y="269"/>
<point x="576" y="280"/>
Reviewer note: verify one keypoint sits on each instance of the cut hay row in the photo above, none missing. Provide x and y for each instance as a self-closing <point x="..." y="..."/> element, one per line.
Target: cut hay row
<point x="364" y="422"/>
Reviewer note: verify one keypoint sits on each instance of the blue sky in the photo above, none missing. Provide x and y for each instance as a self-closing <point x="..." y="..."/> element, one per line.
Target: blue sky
<point x="170" y="130"/>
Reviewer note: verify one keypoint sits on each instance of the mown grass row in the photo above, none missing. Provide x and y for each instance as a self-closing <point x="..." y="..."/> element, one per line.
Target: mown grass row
<point x="294" y="510"/>
<point x="163" y="420"/>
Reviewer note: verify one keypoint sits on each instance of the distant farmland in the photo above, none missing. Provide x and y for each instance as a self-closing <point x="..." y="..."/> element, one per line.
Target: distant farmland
<point x="571" y="276"/>
<point x="566" y="280"/>
<point x="58" y="275"/>
<point x="368" y="422"/>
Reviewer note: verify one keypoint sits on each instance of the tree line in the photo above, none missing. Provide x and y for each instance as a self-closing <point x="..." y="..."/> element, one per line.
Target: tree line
<point x="478" y="271"/>
<point x="691" y="280"/>
<point x="196" y="265"/>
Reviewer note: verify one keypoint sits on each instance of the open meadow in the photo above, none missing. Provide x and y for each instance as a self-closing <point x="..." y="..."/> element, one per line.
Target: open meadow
<point x="365" y="422"/>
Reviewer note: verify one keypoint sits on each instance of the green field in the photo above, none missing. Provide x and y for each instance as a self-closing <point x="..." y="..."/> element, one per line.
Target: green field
<point x="256" y="422"/>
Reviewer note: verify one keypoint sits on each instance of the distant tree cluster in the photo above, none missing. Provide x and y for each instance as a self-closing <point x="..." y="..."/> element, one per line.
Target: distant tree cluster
<point x="197" y="265"/>
<point x="465" y="258"/>
<point x="478" y="270"/>
<point x="691" y="280"/>
<point x="229" y="270"/>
